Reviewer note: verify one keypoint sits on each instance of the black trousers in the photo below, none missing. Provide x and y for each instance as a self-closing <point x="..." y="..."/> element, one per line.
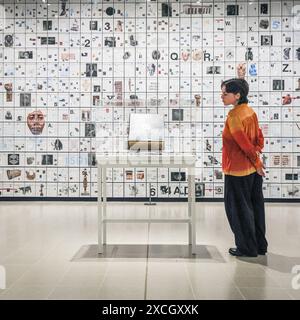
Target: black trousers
<point x="245" y="210"/>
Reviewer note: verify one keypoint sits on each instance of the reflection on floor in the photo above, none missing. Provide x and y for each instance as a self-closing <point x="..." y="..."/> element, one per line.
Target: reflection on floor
<point x="48" y="251"/>
<point x="144" y="251"/>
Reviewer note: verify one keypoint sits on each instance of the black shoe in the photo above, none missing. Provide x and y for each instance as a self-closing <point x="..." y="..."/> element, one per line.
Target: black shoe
<point x="262" y="252"/>
<point x="237" y="253"/>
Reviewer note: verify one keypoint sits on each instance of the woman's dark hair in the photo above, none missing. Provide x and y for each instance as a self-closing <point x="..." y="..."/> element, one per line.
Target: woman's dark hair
<point x="235" y="86"/>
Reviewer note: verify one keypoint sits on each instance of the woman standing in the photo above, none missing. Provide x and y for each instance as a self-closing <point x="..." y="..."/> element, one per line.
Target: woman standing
<point x="243" y="169"/>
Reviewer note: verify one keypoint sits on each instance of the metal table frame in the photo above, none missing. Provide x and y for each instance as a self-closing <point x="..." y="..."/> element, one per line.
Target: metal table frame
<point x="146" y="161"/>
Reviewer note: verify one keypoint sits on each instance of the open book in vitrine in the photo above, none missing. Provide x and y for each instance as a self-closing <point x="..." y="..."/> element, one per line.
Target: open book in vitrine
<point x="146" y="132"/>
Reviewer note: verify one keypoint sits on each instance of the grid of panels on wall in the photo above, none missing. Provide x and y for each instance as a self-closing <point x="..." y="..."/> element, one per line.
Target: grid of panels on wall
<point x="73" y="71"/>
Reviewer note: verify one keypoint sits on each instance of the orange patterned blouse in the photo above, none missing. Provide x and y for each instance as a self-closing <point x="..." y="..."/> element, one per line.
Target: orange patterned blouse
<point x="242" y="142"/>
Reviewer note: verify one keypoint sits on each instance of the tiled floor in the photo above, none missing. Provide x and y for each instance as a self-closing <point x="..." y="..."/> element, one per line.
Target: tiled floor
<point x="48" y="252"/>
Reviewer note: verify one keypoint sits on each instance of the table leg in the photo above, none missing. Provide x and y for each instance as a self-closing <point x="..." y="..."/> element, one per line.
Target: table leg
<point x="104" y="203"/>
<point x="190" y="205"/>
<point x="193" y="211"/>
<point x="100" y="212"/>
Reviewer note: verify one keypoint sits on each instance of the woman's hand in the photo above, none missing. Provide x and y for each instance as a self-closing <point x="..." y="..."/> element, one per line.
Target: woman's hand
<point x="261" y="172"/>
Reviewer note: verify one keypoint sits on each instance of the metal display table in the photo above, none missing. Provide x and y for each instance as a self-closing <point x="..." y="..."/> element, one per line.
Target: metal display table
<point x="127" y="160"/>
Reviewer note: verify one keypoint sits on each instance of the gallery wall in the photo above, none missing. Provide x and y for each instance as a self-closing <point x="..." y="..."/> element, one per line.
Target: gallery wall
<point x="72" y="72"/>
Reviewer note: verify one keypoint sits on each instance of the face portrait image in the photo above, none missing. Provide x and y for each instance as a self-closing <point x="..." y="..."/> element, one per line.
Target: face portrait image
<point x="25" y="99"/>
<point x="36" y="122"/>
